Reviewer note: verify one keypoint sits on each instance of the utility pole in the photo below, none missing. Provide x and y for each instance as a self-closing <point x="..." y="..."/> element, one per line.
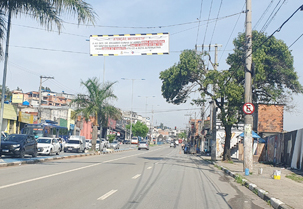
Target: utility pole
<point x="213" y="112"/>
<point x="248" y="119"/>
<point x="40" y="96"/>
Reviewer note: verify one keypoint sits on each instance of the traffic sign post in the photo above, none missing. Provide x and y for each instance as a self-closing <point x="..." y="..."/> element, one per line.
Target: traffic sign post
<point x="248" y="108"/>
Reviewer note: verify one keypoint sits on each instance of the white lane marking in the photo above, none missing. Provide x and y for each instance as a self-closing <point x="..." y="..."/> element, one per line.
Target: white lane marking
<point x="69" y="171"/>
<point x="149" y="167"/>
<point x="136" y="176"/>
<point x="107" y="195"/>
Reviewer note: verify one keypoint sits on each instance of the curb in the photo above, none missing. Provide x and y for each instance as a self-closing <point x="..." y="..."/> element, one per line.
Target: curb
<point x="34" y="161"/>
<point x="274" y="202"/>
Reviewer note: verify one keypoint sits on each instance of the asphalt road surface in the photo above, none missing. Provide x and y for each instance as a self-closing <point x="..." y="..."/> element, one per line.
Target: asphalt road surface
<point x="162" y="177"/>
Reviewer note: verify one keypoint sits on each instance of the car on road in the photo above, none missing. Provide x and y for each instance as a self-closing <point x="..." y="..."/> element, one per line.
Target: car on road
<point x="18" y="145"/>
<point x="48" y="146"/>
<point x="143" y="145"/>
<point x="75" y="144"/>
<point x="134" y="140"/>
<point x="114" y="145"/>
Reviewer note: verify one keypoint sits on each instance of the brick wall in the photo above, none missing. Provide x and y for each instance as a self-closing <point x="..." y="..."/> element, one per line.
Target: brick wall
<point x="270" y="118"/>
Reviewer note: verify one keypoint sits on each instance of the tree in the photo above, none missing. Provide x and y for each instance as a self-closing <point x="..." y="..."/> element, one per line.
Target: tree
<point x="182" y="135"/>
<point x="46" y="12"/>
<point x="274" y="79"/>
<point x="139" y="129"/>
<point x="95" y="103"/>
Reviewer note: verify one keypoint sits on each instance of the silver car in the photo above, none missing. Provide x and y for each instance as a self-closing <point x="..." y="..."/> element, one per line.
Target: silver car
<point x="143" y="145"/>
<point x="115" y="145"/>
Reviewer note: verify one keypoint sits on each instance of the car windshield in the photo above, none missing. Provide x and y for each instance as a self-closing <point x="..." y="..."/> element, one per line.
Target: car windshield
<point x="115" y="142"/>
<point x="143" y="142"/>
<point x="73" y="141"/>
<point x="98" y="141"/>
<point x="44" y="141"/>
<point x="15" y="138"/>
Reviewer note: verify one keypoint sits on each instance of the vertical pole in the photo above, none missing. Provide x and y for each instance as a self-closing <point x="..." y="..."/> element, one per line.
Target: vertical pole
<point x="103" y="71"/>
<point x="40" y="98"/>
<point x="5" y="70"/>
<point x="131" y="110"/>
<point x="214" y="115"/>
<point x="248" y="119"/>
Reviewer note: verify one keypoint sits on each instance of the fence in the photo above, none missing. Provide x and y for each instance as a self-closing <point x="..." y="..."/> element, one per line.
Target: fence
<point x="286" y="149"/>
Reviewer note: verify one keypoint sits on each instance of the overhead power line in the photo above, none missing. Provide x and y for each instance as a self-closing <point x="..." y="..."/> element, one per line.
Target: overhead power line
<point x="262" y="16"/>
<point x="199" y="22"/>
<point x="295" y="41"/>
<point x="216" y="23"/>
<point x="207" y="23"/>
<point x="271" y="18"/>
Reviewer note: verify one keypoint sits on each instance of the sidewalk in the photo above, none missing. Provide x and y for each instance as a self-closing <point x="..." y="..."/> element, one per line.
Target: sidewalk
<point x="283" y="193"/>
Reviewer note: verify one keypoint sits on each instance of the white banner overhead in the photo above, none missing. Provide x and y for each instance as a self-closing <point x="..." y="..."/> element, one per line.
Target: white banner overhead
<point x="129" y="44"/>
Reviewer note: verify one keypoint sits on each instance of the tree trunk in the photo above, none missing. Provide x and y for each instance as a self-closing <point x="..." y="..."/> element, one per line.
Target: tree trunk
<point x="226" y="153"/>
<point x="94" y="137"/>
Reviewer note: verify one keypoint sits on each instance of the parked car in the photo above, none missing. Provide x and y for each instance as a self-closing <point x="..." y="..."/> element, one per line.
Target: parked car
<point x="143" y="145"/>
<point x="19" y="145"/>
<point x="88" y="144"/>
<point x="105" y="142"/>
<point x="75" y="144"/>
<point x="126" y="141"/>
<point x="48" y="146"/>
<point x="115" y="144"/>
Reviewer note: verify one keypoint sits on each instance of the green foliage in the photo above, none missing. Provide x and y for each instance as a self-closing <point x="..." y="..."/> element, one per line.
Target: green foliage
<point x="274" y="77"/>
<point x="295" y="177"/>
<point x="138" y="129"/>
<point x="95" y="103"/>
<point x="111" y="137"/>
<point x="182" y="135"/>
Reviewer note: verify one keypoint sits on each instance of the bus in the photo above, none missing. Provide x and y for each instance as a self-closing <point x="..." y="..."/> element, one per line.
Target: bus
<point x="47" y="128"/>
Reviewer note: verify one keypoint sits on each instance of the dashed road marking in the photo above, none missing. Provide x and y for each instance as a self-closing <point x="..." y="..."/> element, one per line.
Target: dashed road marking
<point x="107" y="195"/>
<point x="149" y="167"/>
<point x="136" y="176"/>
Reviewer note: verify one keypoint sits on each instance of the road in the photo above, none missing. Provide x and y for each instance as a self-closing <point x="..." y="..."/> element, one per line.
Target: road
<point x="162" y="177"/>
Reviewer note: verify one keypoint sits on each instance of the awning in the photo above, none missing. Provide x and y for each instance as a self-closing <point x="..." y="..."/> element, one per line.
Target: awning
<point x="254" y="135"/>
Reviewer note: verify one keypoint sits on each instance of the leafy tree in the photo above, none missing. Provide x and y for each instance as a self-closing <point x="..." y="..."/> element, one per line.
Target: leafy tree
<point x="274" y="79"/>
<point x="95" y="104"/>
<point x="111" y="137"/>
<point x="139" y="129"/>
<point x="182" y="135"/>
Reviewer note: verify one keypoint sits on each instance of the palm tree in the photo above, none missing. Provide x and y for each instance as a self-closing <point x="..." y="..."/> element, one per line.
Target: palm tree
<point x="96" y="104"/>
<point x="46" y="12"/>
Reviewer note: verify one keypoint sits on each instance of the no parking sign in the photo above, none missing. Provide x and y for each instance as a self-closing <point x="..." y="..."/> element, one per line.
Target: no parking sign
<point x="248" y="108"/>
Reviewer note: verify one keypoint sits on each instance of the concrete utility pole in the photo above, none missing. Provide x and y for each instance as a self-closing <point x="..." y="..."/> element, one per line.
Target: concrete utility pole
<point x="248" y="119"/>
<point x="40" y="96"/>
<point x="131" y="111"/>
<point x="213" y="112"/>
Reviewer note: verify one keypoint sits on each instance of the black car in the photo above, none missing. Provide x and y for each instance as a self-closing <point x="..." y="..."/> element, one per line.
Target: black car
<point x="18" y="145"/>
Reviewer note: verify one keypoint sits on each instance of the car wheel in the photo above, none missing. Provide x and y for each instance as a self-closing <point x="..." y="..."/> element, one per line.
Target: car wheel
<point x="57" y="153"/>
<point x="35" y="154"/>
<point x="22" y="153"/>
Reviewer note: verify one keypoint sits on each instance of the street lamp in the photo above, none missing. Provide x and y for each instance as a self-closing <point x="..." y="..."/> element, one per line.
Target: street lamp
<point x="131" y="108"/>
<point x="146" y="102"/>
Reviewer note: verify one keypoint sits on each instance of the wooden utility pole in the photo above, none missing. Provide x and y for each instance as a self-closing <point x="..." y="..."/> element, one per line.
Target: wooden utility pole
<point x="248" y="119"/>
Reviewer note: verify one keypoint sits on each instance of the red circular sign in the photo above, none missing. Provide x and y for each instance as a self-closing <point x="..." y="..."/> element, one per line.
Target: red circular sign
<point x="248" y="108"/>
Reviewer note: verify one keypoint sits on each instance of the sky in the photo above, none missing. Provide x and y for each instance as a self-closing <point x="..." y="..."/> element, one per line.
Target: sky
<point x="34" y="51"/>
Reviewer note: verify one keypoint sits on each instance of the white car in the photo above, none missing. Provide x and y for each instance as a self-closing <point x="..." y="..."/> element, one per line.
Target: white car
<point x="48" y="146"/>
<point x="88" y="144"/>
